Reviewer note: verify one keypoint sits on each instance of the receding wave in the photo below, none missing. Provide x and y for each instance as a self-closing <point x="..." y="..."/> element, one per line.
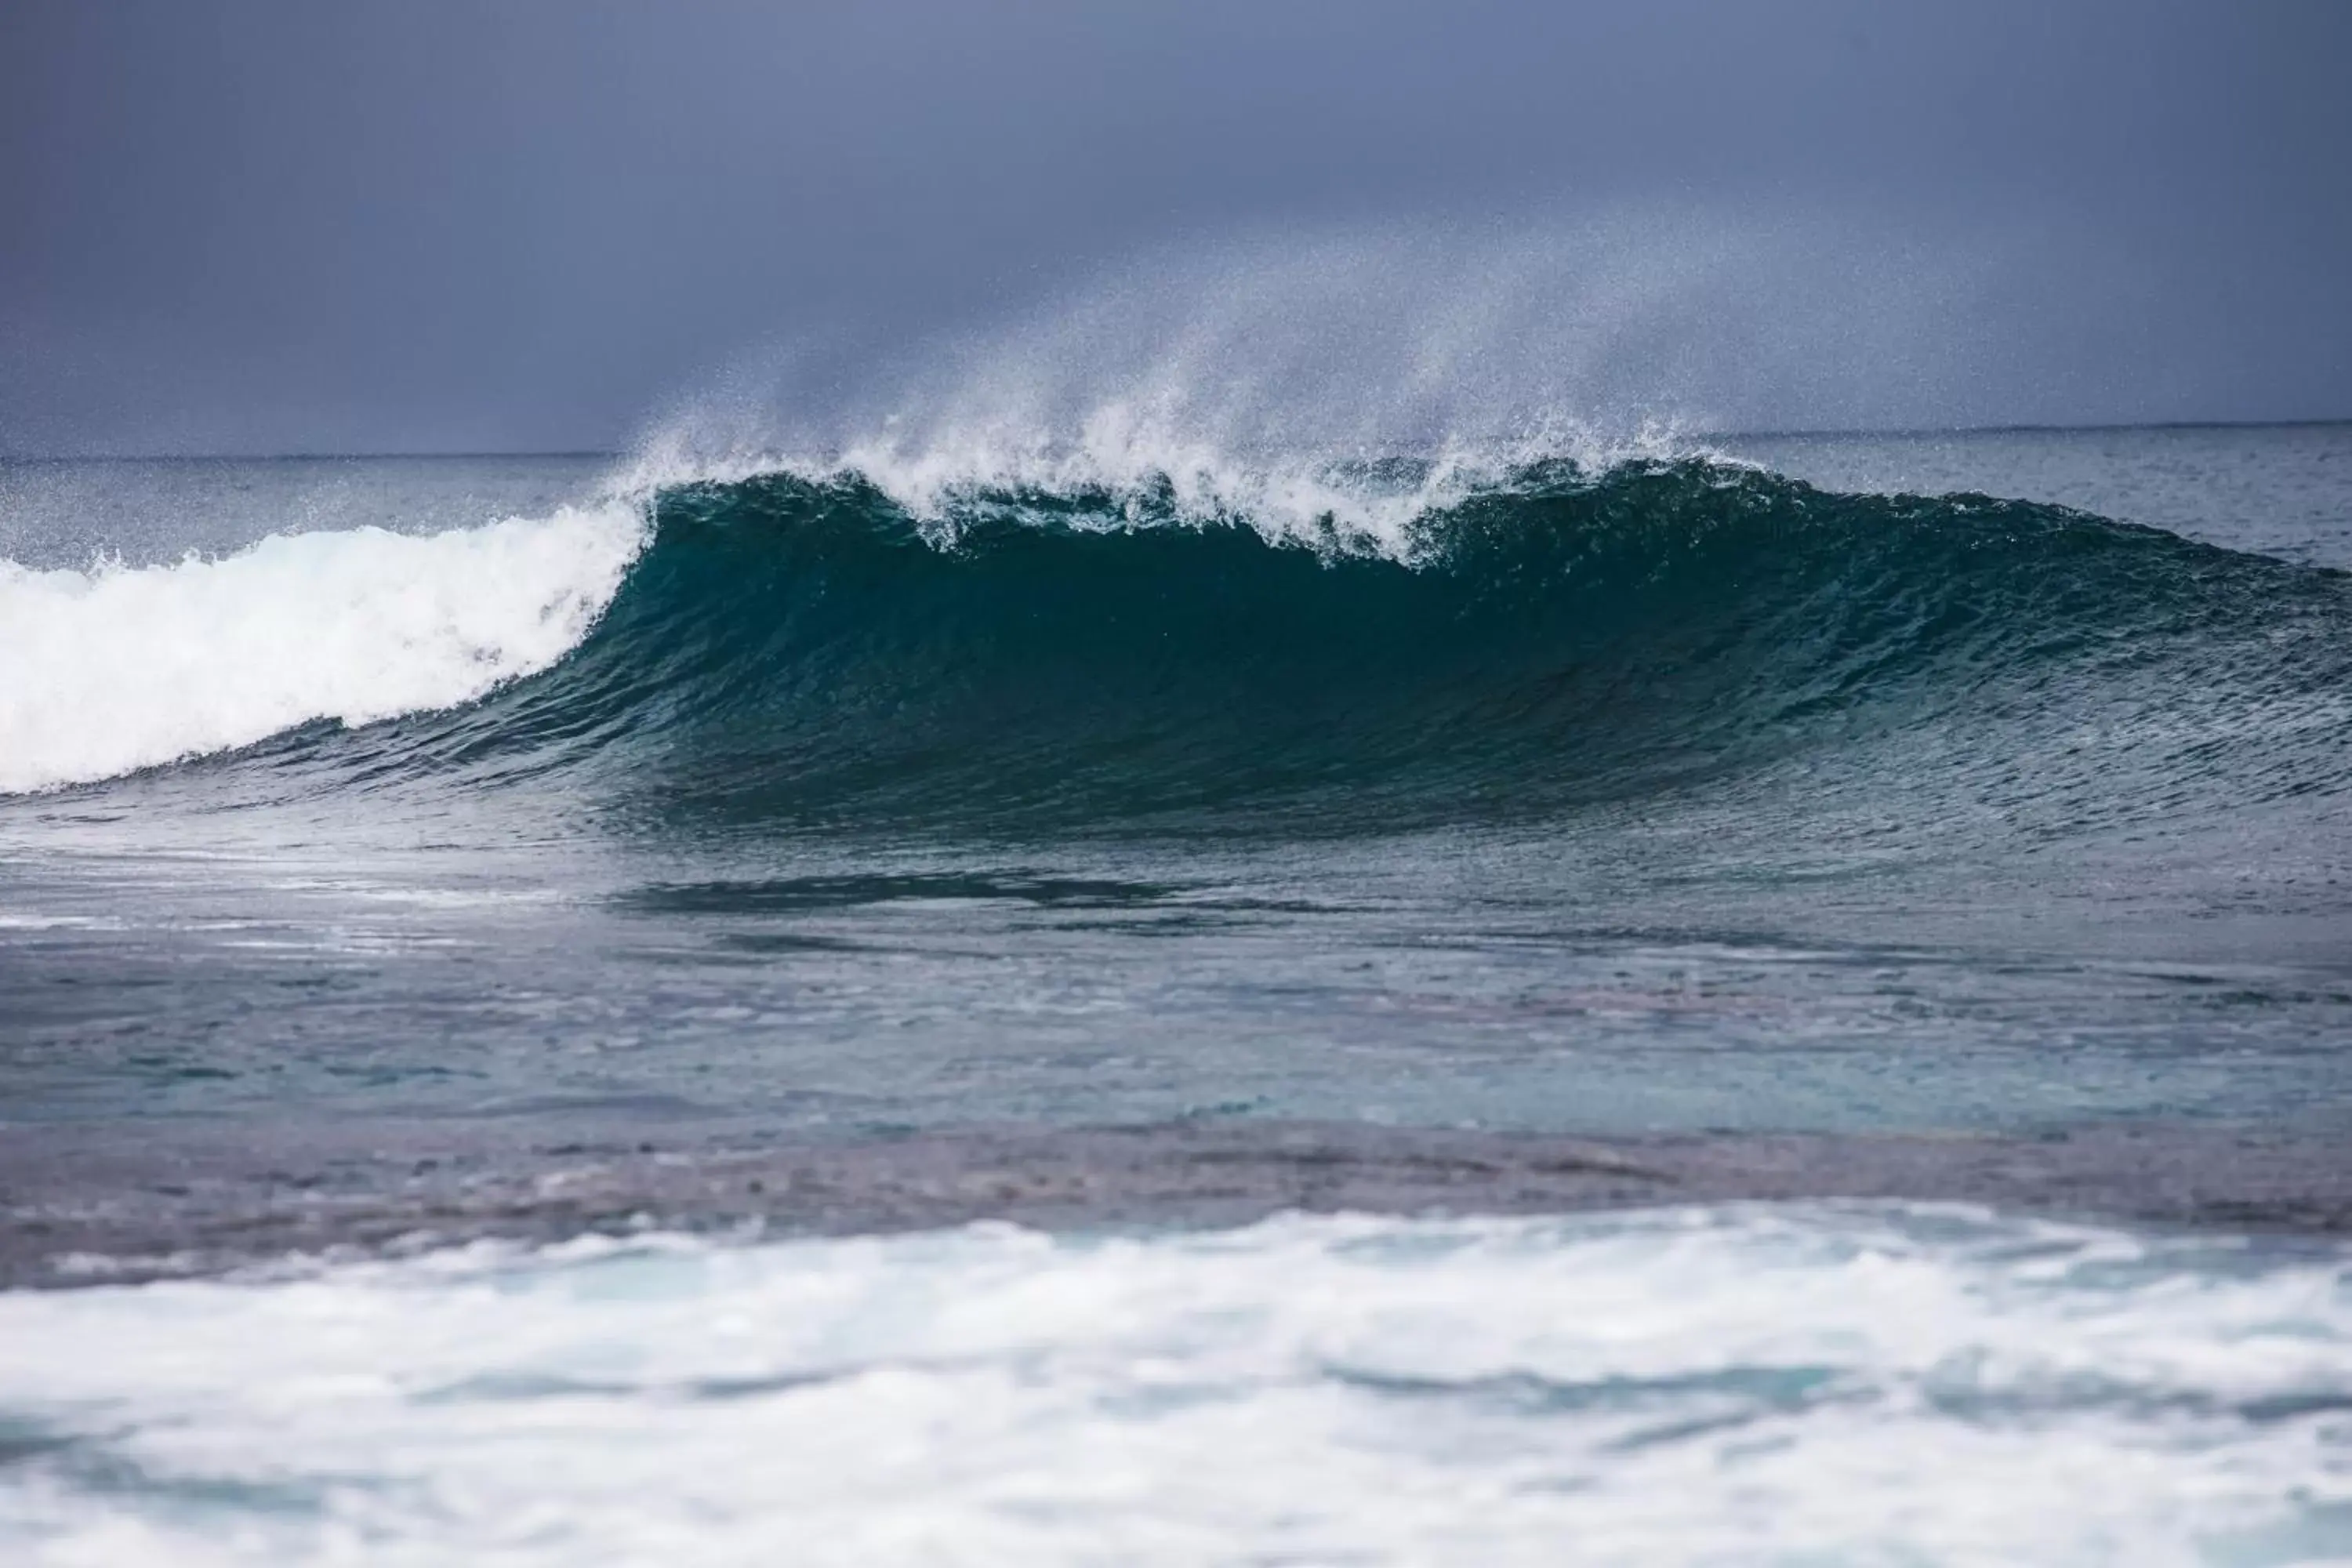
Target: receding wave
<point x="806" y="646"/>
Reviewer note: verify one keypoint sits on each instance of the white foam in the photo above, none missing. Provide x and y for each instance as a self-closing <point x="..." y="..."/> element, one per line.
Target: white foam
<point x="1756" y="1384"/>
<point x="1144" y="460"/>
<point x="1255" y="378"/>
<point x="112" y="669"/>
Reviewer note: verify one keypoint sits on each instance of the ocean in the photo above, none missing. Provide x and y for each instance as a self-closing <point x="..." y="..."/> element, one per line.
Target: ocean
<point x="1773" y="998"/>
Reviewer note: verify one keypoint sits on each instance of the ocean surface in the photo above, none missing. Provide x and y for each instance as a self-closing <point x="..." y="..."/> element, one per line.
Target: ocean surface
<point x="1752" y="999"/>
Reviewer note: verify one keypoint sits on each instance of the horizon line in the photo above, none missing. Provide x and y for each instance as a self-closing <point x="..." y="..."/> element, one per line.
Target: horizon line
<point x="1820" y="433"/>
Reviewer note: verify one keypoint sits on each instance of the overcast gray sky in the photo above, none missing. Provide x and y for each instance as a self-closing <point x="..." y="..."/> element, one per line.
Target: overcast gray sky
<point x="278" y="225"/>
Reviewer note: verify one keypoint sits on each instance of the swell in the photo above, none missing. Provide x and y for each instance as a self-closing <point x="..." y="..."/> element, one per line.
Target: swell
<point x="807" y="649"/>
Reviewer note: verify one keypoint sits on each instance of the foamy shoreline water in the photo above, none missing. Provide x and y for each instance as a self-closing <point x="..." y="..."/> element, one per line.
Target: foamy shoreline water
<point x="1853" y="1382"/>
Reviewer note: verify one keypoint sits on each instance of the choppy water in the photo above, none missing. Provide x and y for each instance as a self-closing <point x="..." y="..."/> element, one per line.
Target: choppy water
<point x="1981" y="795"/>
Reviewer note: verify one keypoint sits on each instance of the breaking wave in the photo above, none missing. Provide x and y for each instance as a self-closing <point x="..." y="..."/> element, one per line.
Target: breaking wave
<point x="1399" y="639"/>
<point x="114" y="669"/>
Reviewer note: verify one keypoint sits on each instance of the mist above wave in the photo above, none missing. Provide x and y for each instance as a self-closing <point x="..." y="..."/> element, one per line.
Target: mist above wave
<point x="1242" y="366"/>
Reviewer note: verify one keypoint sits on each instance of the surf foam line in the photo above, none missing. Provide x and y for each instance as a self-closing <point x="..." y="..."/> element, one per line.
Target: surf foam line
<point x="1850" y="1384"/>
<point x="109" y="670"/>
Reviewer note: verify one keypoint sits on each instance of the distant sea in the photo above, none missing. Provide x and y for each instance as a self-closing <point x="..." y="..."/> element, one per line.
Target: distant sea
<point x="1753" y="999"/>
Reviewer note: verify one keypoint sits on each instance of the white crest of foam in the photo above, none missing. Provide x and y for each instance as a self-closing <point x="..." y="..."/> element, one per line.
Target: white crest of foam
<point x="1149" y="457"/>
<point x="116" y="668"/>
<point x="1256" y="375"/>
<point x="1914" y="1384"/>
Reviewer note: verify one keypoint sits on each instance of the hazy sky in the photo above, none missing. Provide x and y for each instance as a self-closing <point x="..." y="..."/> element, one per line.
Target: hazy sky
<point x="530" y="223"/>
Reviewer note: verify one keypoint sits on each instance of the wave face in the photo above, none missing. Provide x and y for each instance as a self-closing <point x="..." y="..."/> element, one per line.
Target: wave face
<point x="805" y="647"/>
<point x="810" y="647"/>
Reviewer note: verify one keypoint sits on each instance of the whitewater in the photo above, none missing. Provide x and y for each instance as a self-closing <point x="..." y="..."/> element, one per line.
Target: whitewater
<point x="1847" y="1385"/>
<point x="118" y="667"/>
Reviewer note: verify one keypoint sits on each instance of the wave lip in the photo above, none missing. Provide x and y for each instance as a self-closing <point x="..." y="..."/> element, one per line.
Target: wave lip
<point x="109" y="670"/>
